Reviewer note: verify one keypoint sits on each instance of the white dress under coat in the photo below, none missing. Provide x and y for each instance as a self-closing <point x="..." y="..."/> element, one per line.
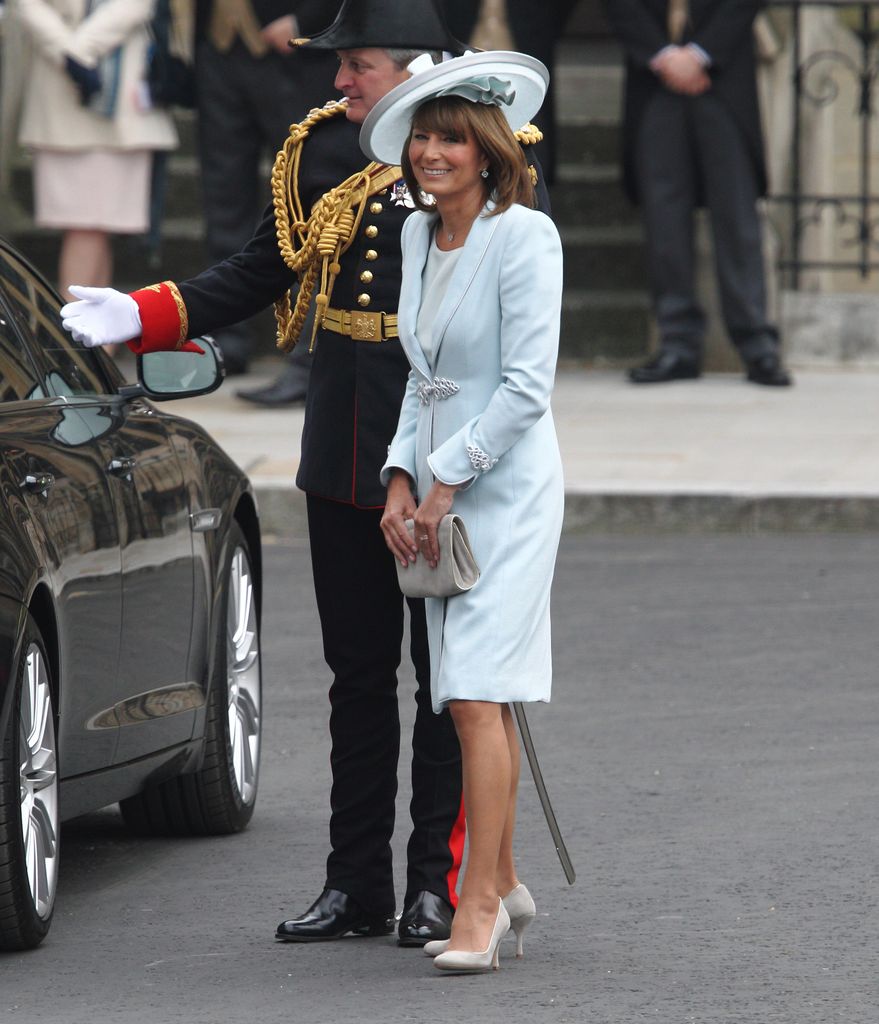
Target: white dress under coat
<point x="478" y="414"/>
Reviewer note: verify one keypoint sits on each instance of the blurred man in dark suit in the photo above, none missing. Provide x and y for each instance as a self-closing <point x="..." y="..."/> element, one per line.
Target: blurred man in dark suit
<point x="691" y="138"/>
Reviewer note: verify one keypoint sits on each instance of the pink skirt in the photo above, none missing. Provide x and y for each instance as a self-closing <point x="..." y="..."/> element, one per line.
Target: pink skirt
<point x="100" y="190"/>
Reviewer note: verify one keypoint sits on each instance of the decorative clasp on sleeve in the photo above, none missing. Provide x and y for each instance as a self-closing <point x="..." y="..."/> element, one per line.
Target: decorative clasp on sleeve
<point x="479" y="459"/>
<point x="440" y="388"/>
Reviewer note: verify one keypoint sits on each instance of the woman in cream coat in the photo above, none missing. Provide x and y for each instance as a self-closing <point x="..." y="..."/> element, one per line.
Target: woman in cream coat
<point x="91" y="169"/>
<point x="479" y="321"/>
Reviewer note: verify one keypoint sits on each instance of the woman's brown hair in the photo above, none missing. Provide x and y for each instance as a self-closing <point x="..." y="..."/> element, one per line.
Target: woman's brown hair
<point x="509" y="177"/>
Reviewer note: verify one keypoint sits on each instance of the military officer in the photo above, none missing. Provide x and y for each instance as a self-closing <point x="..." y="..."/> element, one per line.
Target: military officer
<point x="335" y="224"/>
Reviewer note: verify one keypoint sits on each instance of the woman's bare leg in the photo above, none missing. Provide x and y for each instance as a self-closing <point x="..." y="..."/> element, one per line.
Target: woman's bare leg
<point x="507" y="880"/>
<point x="487" y="771"/>
<point x="86" y="258"/>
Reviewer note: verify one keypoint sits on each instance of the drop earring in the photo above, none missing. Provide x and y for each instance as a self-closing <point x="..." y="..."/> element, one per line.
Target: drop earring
<point x="484" y="172"/>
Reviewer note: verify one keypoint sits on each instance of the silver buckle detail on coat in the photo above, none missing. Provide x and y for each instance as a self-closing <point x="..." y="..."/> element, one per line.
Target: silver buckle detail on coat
<point x="440" y="388"/>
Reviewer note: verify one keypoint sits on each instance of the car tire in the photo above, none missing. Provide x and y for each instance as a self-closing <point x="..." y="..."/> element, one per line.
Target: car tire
<point x="219" y="798"/>
<point x="29" y="812"/>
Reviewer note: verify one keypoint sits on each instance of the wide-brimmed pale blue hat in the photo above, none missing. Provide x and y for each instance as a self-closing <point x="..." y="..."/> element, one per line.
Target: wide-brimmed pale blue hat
<point x="515" y="82"/>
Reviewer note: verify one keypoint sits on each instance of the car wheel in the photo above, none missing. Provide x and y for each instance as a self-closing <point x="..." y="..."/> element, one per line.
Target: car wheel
<point x="29" y="816"/>
<point x="220" y="797"/>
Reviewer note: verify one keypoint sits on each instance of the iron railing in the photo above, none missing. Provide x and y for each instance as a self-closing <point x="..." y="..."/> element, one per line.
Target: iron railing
<point x="854" y="215"/>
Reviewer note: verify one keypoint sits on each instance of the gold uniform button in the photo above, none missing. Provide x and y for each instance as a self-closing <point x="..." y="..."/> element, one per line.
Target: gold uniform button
<point x="364" y="299"/>
<point x="371" y="255"/>
<point x="366" y="277"/>
<point x="371" y="231"/>
<point x="375" y="208"/>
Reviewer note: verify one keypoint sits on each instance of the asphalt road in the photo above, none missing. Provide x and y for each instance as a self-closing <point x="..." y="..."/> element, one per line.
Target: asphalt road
<point x="711" y="751"/>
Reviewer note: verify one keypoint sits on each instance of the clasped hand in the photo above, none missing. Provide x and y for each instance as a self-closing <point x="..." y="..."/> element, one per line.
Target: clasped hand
<point x="401" y="506"/>
<point x="680" y="70"/>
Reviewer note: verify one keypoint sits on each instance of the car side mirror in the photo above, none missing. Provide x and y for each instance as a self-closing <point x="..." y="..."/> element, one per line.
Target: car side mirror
<point x="163" y="376"/>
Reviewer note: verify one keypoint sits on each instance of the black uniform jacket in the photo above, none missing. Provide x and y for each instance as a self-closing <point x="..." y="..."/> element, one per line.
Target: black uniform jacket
<point x="724" y="30"/>
<point x="356" y="387"/>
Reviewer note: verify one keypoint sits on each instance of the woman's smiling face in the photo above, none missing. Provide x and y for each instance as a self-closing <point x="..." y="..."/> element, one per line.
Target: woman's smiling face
<point x="446" y="164"/>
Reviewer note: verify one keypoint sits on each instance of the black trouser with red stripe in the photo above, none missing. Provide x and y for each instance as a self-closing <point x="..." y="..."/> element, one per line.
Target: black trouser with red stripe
<point x="361" y="613"/>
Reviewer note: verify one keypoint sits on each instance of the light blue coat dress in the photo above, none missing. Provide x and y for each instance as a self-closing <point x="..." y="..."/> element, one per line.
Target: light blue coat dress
<point x="479" y="415"/>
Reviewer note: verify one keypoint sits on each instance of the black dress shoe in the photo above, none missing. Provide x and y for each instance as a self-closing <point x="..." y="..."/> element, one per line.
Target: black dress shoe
<point x="665" y="366"/>
<point x="427" y="917"/>
<point x="769" y="371"/>
<point x="332" y="915"/>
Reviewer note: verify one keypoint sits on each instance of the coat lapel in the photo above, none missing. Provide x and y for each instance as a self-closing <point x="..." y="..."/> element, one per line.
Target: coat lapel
<point x="410" y="293"/>
<point x="471" y="258"/>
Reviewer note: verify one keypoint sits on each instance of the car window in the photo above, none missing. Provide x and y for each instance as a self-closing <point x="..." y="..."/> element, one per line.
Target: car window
<point x="19" y="379"/>
<point x="74" y="369"/>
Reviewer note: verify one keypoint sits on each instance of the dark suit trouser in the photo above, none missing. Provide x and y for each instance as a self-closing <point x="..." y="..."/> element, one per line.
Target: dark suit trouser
<point x="361" y="613"/>
<point x="689" y="147"/>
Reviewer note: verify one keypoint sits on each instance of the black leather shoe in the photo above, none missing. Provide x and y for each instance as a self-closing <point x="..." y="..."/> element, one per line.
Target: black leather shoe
<point x="288" y="389"/>
<point x="427" y="917"/>
<point x="769" y="371"/>
<point x="332" y="915"/>
<point x="665" y="366"/>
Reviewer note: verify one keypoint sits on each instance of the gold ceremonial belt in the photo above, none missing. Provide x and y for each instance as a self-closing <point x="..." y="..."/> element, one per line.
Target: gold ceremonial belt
<point x="360" y="326"/>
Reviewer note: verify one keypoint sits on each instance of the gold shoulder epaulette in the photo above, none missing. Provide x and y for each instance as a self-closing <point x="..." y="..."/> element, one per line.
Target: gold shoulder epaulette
<point x="529" y="134"/>
<point x="312" y="242"/>
<point x="301" y="129"/>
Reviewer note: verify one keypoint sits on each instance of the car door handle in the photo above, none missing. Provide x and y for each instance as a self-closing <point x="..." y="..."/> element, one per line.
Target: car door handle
<point x="122" y="466"/>
<point x="38" y="483"/>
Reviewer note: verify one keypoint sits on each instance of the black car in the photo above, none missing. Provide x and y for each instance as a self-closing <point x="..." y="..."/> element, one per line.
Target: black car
<point x="130" y="588"/>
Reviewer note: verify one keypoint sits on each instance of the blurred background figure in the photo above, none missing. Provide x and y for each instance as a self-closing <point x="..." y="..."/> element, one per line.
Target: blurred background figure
<point x="530" y="26"/>
<point x="692" y="137"/>
<point x="250" y="87"/>
<point x="86" y="116"/>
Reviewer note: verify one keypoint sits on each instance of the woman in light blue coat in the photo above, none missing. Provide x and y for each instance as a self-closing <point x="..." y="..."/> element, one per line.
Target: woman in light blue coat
<point x="479" y="320"/>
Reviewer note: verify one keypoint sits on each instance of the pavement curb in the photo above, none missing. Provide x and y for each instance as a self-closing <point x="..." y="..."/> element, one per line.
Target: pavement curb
<point x="282" y="512"/>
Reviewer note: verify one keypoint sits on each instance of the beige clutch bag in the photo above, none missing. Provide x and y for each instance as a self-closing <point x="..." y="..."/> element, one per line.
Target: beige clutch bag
<point x="456" y="571"/>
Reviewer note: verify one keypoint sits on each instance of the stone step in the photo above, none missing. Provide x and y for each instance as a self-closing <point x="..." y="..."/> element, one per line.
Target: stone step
<point x="605" y="328"/>
<point x="588" y="143"/>
<point x="591" y="194"/>
<point x="604" y="258"/>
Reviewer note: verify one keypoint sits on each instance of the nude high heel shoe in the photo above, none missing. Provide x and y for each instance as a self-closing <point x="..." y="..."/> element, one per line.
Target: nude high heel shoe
<point x="520" y="906"/>
<point x="465" y="962"/>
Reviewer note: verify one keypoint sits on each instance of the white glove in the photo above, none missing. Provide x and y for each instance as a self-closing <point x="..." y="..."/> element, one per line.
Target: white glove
<point x="103" y="316"/>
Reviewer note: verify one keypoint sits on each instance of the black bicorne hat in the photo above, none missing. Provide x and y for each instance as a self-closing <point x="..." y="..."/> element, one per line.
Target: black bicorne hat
<point x="389" y="24"/>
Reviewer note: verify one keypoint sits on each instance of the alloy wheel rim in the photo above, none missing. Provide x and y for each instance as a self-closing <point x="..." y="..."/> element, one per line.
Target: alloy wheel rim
<point x="243" y="676"/>
<point x="38" y="772"/>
